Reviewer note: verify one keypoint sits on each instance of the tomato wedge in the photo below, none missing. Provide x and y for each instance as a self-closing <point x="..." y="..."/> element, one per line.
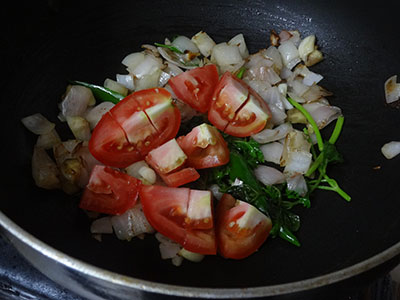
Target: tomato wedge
<point x="139" y="123"/>
<point x="205" y="147"/>
<point x="237" y="109"/>
<point x="181" y="214"/>
<point x="196" y="87"/>
<point x="110" y="191"/>
<point x="181" y="177"/>
<point x="241" y="228"/>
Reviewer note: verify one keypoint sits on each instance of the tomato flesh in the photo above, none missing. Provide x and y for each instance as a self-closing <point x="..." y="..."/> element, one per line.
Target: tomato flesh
<point x="205" y="147"/>
<point x="241" y="229"/>
<point x="139" y="123"/>
<point x="196" y="87"/>
<point x="166" y="208"/>
<point x="110" y="191"/>
<point x="237" y="109"/>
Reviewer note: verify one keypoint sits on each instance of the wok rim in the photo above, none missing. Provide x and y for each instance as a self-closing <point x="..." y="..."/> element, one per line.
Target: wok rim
<point x="186" y="291"/>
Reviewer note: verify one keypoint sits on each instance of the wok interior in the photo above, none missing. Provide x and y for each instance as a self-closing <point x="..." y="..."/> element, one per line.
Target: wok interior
<point x="51" y="44"/>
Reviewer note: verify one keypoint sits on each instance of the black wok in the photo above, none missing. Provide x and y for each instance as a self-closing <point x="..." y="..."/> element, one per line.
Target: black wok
<point x="47" y="43"/>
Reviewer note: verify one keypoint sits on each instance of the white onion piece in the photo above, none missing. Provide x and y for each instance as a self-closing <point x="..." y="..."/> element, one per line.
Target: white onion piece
<point x="76" y="101"/>
<point x="274" y="100"/>
<point x="273" y="53"/>
<point x="391" y="149"/>
<point x="168" y="248"/>
<point x="297" y="183"/>
<point x="44" y="170"/>
<point x="148" y="81"/>
<point x="289" y="53"/>
<point x="115" y="86"/>
<point x="271" y="135"/>
<point x="224" y="54"/>
<point x="312" y="78"/>
<point x="322" y="114"/>
<point x="131" y="223"/>
<point x="298" y="87"/>
<point x="133" y="59"/>
<point x="48" y="140"/>
<point x="101" y="225"/>
<point x="38" y="124"/>
<point x="259" y="59"/>
<point x="177" y="260"/>
<point x="298" y="162"/>
<point x="94" y="115"/>
<point x="184" y="44"/>
<point x="147" y="67"/>
<point x="164" y="78"/>
<point x="314" y="57"/>
<point x="392" y="89"/>
<point x="314" y="93"/>
<point x="151" y="49"/>
<point x="174" y="58"/>
<point x="215" y="190"/>
<point x="285" y="73"/>
<point x="71" y="145"/>
<point x="204" y="42"/>
<point x="142" y="171"/>
<point x="295" y="141"/>
<point x="306" y="47"/>
<point x="126" y="81"/>
<point x="238" y="41"/>
<point x="80" y="128"/>
<point x="173" y="69"/>
<point x="268" y="175"/>
<point x="192" y="256"/>
<point x="187" y="112"/>
<point x="272" y="152"/>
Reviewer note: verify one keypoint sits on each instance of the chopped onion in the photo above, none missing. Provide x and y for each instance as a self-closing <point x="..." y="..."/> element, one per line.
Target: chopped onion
<point x="48" y="140"/>
<point x="164" y="78"/>
<point x="298" y="87"/>
<point x="289" y="53"/>
<point x="187" y="112"/>
<point x="177" y="59"/>
<point x="192" y="256"/>
<point x="204" y="42"/>
<point x="274" y="100"/>
<point x="306" y="47"/>
<point x="272" y="152"/>
<point x="76" y="101"/>
<point x="126" y="81"/>
<point x="38" y="124"/>
<point x="392" y="89"/>
<point x="131" y="223"/>
<point x="273" y="53"/>
<point x="148" y="81"/>
<point x="147" y="67"/>
<point x="115" y="86"/>
<point x="173" y="69"/>
<point x="168" y="248"/>
<point x="142" y="171"/>
<point x="94" y="115"/>
<point x="314" y="57"/>
<point x="80" y="128"/>
<point x="391" y="149"/>
<point x="238" y="40"/>
<point x="297" y="183"/>
<point x="132" y="60"/>
<point x="268" y="175"/>
<point x="271" y="135"/>
<point x="322" y="114"/>
<point x="312" y="78"/>
<point x="298" y="162"/>
<point x="185" y="44"/>
<point x="44" y="170"/>
<point x="224" y="54"/>
<point x="101" y="225"/>
<point x="295" y="142"/>
<point x="215" y="190"/>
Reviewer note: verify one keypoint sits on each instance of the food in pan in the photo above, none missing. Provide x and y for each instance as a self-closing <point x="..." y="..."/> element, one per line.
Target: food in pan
<point x="203" y="144"/>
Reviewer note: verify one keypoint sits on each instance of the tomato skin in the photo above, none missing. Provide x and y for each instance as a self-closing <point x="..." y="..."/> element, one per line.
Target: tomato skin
<point x="137" y="124"/>
<point x="110" y="191"/>
<point x="205" y="147"/>
<point x="234" y="241"/>
<point x="166" y="210"/>
<point x="237" y="109"/>
<point x="196" y="87"/>
<point x="109" y="144"/>
<point x="180" y="177"/>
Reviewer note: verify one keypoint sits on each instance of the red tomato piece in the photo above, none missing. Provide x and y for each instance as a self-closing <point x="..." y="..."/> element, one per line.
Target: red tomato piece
<point x="241" y="229"/>
<point x="196" y="87"/>
<point x="166" y="209"/>
<point x="180" y="177"/>
<point x="110" y="191"/>
<point x="205" y="147"/>
<point x="139" y="123"/>
<point x="237" y="109"/>
<point x="109" y="144"/>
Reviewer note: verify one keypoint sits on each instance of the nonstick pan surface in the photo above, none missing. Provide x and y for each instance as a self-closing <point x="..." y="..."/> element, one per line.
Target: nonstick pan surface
<point x="49" y="43"/>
